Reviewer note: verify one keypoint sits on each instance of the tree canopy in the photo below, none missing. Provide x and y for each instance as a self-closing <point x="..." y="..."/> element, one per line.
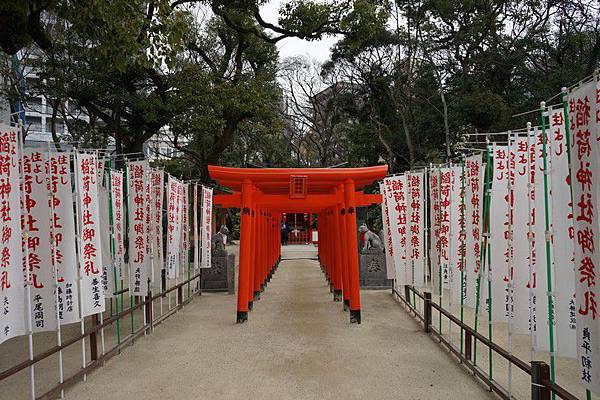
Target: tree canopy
<point x="404" y="84"/>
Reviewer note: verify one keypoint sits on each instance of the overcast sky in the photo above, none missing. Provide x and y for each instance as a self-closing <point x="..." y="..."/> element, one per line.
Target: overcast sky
<point x="318" y="50"/>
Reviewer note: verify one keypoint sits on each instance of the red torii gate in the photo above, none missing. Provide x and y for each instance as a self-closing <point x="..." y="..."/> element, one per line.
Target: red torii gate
<point x="263" y="194"/>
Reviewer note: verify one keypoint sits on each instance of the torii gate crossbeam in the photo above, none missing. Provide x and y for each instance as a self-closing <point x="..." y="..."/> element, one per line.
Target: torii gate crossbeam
<point x="263" y="194"/>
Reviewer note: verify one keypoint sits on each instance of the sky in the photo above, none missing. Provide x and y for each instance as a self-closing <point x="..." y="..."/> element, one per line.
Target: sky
<point x="318" y="50"/>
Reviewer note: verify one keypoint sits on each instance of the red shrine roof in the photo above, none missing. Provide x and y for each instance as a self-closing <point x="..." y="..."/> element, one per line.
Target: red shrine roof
<point x="297" y="182"/>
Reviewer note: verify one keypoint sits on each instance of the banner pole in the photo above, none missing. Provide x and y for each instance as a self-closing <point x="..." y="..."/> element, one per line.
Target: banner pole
<point x="462" y="247"/>
<point x="54" y="264"/>
<point x="489" y="263"/>
<point x="126" y="207"/>
<point x="451" y="255"/>
<point x="484" y="243"/>
<point x="530" y="236"/>
<point x="548" y="237"/>
<point x="102" y="342"/>
<point x="425" y="191"/>
<point x="511" y="200"/>
<point x="441" y="277"/>
<point x="25" y="234"/>
<point x="111" y="222"/>
<point x="79" y="277"/>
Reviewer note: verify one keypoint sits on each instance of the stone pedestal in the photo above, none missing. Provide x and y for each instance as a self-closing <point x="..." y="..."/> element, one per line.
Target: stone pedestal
<point x="220" y="277"/>
<point x="373" y="270"/>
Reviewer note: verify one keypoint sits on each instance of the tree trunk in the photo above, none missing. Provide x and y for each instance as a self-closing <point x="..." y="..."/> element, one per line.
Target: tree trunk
<point x="446" y="125"/>
<point x="409" y="144"/>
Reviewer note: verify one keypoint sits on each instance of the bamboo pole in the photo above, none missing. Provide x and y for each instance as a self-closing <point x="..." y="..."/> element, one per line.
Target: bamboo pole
<point x="113" y="249"/>
<point x="484" y="243"/>
<point x="462" y="247"/>
<point x="61" y="375"/>
<point x="548" y="237"/>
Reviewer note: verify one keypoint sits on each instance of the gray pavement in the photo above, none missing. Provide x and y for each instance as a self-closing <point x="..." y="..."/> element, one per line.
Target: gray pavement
<point x="298" y="344"/>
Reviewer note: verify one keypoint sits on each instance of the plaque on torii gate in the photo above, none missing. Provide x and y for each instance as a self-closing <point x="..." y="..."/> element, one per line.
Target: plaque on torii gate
<point x="264" y="194"/>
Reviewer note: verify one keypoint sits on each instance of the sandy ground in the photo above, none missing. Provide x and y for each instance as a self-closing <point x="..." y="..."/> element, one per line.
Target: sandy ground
<point x="298" y="344"/>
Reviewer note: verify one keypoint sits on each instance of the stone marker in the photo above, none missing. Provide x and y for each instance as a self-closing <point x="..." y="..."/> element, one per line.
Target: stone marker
<point x="373" y="269"/>
<point x="220" y="276"/>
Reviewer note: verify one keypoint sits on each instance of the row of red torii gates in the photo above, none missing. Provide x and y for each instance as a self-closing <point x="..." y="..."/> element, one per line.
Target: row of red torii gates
<point x="264" y="194"/>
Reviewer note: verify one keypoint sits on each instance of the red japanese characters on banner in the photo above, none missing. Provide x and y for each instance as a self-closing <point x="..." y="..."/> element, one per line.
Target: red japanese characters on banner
<point x="499" y="214"/>
<point x="185" y="228"/>
<point x="521" y="229"/>
<point x="137" y="177"/>
<point x="36" y="243"/>
<point x="446" y="188"/>
<point x="452" y="228"/>
<point x="197" y="239"/>
<point x="395" y="188"/>
<point x="173" y="227"/>
<point x="473" y="227"/>
<point x="116" y="189"/>
<point x="436" y="220"/>
<point x="108" y="274"/>
<point x="585" y="166"/>
<point x="12" y="293"/>
<point x="389" y="250"/>
<point x="207" y="194"/>
<point x="63" y="238"/>
<point x="562" y="229"/>
<point x="416" y="230"/>
<point x="157" y="182"/>
<point x="90" y="260"/>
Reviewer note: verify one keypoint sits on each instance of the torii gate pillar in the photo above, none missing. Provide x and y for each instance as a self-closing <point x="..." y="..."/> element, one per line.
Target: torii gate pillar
<point x="353" y="276"/>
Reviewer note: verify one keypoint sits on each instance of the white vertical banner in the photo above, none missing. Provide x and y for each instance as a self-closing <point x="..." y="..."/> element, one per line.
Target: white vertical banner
<point x="108" y="280"/>
<point x="540" y="321"/>
<point x="395" y="187"/>
<point x="185" y="236"/>
<point x="116" y="188"/>
<point x="173" y="227"/>
<point x="446" y="184"/>
<point x="562" y="228"/>
<point x="90" y="259"/>
<point x="137" y="175"/>
<point x="521" y="218"/>
<point x="63" y="238"/>
<point x="196" y="230"/>
<point x="36" y="221"/>
<point x="498" y="231"/>
<point x="435" y="222"/>
<point x="415" y="226"/>
<point x="207" y="194"/>
<point x="454" y="233"/>
<point x="584" y="126"/>
<point x="149" y="225"/>
<point x="473" y="226"/>
<point x="179" y="222"/>
<point x="385" y="219"/>
<point x="157" y="181"/>
<point x="12" y="292"/>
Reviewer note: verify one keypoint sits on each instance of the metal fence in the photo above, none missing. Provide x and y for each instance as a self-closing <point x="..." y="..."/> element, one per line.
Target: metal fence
<point x="152" y="312"/>
<point x="539" y="372"/>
